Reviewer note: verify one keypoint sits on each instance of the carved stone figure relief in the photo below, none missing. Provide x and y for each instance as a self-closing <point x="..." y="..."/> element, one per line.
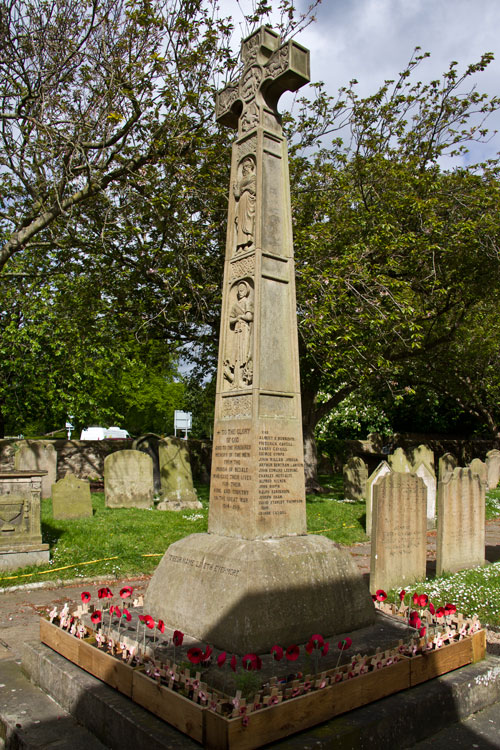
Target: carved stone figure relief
<point x="278" y="62"/>
<point x="226" y="99"/>
<point x="238" y="360"/>
<point x="250" y="47"/>
<point x="250" y="117"/>
<point x="245" y="194"/>
<point x="250" y="82"/>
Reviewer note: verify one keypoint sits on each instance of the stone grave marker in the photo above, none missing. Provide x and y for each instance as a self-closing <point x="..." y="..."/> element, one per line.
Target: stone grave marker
<point x="493" y="468"/>
<point x="38" y="455"/>
<point x="71" y="498"/>
<point x="479" y="467"/>
<point x="398" y="461"/>
<point x="257" y="578"/>
<point x="355" y="474"/>
<point x="177" y="488"/>
<point x="399" y="531"/>
<point x="382" y="469"/>
<point x="421" y="454"/>
<point x="128" y="480"/>
<point x="424" y="471"/>
<point x="20" y="526"/>
<point x="149" y="444"/>
<point x="461" y="517"/>
<point x="447" y="463"/>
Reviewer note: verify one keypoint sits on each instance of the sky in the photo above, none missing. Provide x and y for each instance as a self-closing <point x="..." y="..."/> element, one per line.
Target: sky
<point x="373" y="40"/>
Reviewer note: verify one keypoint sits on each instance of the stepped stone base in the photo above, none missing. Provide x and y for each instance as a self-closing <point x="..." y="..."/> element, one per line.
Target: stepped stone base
<point x="34" y="554"/>
<point x="245" y="596"/>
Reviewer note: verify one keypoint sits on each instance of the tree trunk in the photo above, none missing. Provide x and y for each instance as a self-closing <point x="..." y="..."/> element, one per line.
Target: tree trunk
<point x="2" y="422"/>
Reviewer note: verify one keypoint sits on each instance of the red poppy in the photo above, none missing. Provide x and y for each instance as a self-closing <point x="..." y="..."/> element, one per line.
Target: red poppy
<point x="423" y="600"/>
<point x="85" y="595"/>
<point x="195" y="655"/>
<point x="142" y="618"/>
<point x="251" y="662"/>
<point x="415" y="621"/>
<point x="126" y="591"/>
<point x="221" y="659"/>
<point x="149" y="622"/>
<point x="206" y="655"/>
<point x="422" y="631"/>
<point x="278" y="652"/>
<point x="431" y="608"/>
<point x="118" y="612"/>
<point x="309" y="647"/>
<point x="105" y="593"/>
<point x="232" y="663"/>
<point x="344" y="644"/>
<point x="292" y="653"/>
<point x="161" y="626"/>
<point x="402" y="595"/>
<point x="450" y="609"/>
<point x="96" y="616"/>
<point x="317" y="640"/>
<point x="440" y="612"/>
<point x="178" y="638"/>
<point x="326" y="648"/>
<point x="126" y="614"/>
<point x="374" y="597"/>
<point x="381" y="595"/>
<point x="415" y="598"/>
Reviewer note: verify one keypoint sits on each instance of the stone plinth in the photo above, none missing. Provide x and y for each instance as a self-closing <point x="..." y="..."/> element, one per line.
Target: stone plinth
<point x="243" y="595"/>
<point x="355" y="474"/>
<point x="128" y="480"/>
<point x="71" y="498"/>
<point x="399" y="531"/>
<point x="461" y="516"/>
<point x="37" y="455"/>
<point x="176" y="478"/>
<point x="20" y="529"/>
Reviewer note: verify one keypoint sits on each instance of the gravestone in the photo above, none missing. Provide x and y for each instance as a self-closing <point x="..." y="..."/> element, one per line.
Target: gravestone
<point x="447" y="463"/>
<point x="355" y="474"/>
<point x="399" y="531"/>
<point x="461" y="517"/>
<point x="20" y="526"/>
<point x="382" y="469"/>
<point x="177" y="488"/>
<point x="149" y="444"/>
<point x="424" y="471"/>
<point x="71" y="498"/>
<point x="479" y="467"/>
<point x="422" y="453"/>
<point x="493" y="468"/>
<point x="398" y="461"/>
<point x="257" y="578"/>
<point x="128" y="480"/>
<point x="38" y="455"/>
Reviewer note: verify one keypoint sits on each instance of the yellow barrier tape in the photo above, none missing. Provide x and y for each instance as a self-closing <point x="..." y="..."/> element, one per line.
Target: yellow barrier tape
<point x="53" y="570"/>
<point x="154" y="554"/>
<point x="333" y="528"/>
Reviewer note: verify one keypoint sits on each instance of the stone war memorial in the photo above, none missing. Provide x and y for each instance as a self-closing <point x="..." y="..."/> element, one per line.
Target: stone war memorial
<point x="256" y="578"/>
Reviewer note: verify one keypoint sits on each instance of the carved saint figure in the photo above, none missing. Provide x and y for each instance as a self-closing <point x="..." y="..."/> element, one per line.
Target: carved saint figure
<point x="238" y="366"/>
<point x="245" y="193"/>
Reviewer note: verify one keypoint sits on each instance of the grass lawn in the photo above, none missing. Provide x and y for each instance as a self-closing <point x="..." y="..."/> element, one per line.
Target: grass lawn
<point x="123" y="542"/>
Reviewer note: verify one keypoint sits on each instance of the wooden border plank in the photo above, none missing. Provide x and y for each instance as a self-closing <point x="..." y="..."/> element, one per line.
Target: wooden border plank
<point x="440" y="661"/>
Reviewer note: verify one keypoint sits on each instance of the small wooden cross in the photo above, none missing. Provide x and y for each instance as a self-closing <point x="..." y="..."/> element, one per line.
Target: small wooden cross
<point x="269" y="69"/>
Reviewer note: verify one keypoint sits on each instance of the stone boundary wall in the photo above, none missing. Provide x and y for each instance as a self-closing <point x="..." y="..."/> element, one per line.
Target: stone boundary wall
<point x="85" y="458"/>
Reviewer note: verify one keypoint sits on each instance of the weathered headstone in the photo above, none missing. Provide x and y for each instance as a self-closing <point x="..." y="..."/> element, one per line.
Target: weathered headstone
<point x="382" y="469"/>
<point x="461" y="517"/>
<point x="71" y="498"/>
<point x="37" y="455"/>
<point x="447" y="463"/>
<point x="149" y="444"/>
<point x="128" y="480"/>
<point x="177" y="488"/>
<point x="398" y="461"/>
<point x="355" y="474"/>
<point x="20" y="529"/>
<point x="257" y="578"/>
<point x="399" y="531"/>
<point x="421" y="454"/>
<point x="493" y="468"/>
<point x="479" y="467"/>
<point x="425" y="472"/>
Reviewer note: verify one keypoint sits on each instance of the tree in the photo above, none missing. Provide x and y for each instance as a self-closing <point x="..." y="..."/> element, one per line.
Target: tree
<point x="393" y="253"/>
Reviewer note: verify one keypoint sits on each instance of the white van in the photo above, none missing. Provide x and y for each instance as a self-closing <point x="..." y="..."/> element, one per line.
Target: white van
<point x="104" y="433"/>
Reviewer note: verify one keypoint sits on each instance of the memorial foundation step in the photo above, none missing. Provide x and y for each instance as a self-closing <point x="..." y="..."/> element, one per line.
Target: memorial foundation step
<point x="93" y="715"/>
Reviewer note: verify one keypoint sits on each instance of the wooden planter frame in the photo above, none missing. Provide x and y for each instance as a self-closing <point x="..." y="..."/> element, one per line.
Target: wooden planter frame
<point x="217" y="732"/>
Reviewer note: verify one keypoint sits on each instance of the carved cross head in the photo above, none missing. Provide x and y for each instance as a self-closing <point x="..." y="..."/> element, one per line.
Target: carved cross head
<point x="269" y="69"/>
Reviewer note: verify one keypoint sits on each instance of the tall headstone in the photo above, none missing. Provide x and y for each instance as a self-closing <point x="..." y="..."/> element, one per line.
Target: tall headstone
<point x="461" y="517"/>
<point x="479" y="467"/>
<point x="149" y="444"/>
<point x="382" y="469"/>
<point x="447" y="463"/>
<point x="355" y="474"/>
<point x="493" y="468"/>
<point x="128" y="480"/>
<point x="20" y="527"/>
<point x="177" y="487"/>
<point x="399" y="531"/>
<point x="421" y="454"/>
<point x="398" y="461"/>
<point x="257" y="578"/>
<point x="71" y="498"/>
<point x="424" y="471"/>
<point x="38" y="455"/>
